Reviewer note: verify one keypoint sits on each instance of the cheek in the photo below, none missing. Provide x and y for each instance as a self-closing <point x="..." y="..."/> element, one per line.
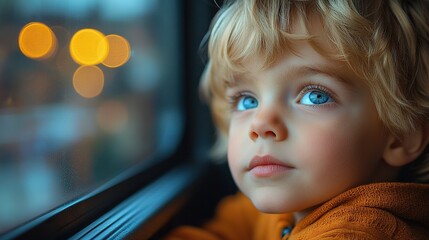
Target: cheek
<point x="233" y="152"/>
<point x="340" y="148"/>
<point x="320" y="149"/>
<point x="236" y="147"/>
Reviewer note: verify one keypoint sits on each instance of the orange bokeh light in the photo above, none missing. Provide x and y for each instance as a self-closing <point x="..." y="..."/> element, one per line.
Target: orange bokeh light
<point x="36" y="40"/>
<point x="88" y="81"/>
<point x="119" y="51"/>
<point x="89" y="47"/>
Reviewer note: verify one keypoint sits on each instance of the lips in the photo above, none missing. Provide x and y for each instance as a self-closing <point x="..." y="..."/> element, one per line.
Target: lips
<point x="267" y="166"/>
<point x="266" y="160"/>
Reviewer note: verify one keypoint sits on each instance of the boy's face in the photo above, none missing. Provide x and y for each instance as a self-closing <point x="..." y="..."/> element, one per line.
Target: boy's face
<point x="302" y="132"/>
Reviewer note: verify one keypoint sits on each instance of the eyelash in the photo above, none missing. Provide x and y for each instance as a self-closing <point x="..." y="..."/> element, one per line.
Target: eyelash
<point x="235" y="98"/>
<point x="314" y="86"/>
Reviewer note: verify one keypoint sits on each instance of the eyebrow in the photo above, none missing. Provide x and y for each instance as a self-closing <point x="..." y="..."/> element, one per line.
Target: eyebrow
<point x="239" y="77"/>
<point x="304" y="70"/>
<point x="337" y="73"/>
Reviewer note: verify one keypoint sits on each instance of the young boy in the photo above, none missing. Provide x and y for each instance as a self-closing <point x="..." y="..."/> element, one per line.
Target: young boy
<point x="325" y="108"/>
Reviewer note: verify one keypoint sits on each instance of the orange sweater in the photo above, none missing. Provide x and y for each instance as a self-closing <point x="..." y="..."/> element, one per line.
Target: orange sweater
<point x="374" y="211"/>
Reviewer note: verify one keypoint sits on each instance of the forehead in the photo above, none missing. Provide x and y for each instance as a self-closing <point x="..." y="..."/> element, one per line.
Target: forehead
<point x="303" y="28"/>
<point x="316" y="54"/>
<point x="312" y="24"/>
<point x="304" y="63"/>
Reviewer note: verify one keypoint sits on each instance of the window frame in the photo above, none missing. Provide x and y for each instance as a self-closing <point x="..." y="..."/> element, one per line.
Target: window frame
<point x="72" y="216"/>
<point x="190" y="161"/>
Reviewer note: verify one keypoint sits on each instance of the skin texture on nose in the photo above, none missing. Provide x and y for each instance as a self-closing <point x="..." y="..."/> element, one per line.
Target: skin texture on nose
<point x="268" y="124"/>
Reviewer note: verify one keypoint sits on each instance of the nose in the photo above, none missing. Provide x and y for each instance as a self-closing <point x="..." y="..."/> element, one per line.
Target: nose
<point x="268" y="124"/>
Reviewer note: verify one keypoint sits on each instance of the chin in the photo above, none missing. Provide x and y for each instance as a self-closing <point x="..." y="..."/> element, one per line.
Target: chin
<point x="269" y="203"/>
<point x="268" y="209"/>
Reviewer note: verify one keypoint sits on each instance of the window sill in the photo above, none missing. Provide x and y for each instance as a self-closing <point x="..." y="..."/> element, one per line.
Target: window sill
<point x="146" y="211"/>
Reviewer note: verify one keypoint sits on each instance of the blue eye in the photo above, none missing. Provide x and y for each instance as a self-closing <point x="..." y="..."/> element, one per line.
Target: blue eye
<point x="316" y="97"/>
<point x="247" y="102"/>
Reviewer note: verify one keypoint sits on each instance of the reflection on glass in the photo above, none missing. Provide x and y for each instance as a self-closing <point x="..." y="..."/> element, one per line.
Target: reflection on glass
<point x="89" y="47"/>
<point x="36" y="40"/>
<point x="88" y="89"/>
<point x="112" y="116"/>
<point x="119" y="51"/>
<point x="88" y="81"/>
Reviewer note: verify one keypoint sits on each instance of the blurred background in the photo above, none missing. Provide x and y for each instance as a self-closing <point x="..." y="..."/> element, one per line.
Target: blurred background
<point x="88" y="88"/>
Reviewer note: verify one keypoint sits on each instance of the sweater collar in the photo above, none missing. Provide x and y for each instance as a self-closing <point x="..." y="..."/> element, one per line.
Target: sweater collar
<point x="408" y="201"/>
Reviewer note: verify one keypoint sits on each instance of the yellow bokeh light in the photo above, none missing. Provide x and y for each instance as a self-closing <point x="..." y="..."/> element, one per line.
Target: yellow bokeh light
<point x="88" y="81"/>
<point x="89" y="47"/>
<point x="36" y="40"/>
<point x="119" y="51"/>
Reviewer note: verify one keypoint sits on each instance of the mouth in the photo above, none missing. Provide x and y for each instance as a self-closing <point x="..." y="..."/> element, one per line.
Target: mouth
<point x="267" y="166"/>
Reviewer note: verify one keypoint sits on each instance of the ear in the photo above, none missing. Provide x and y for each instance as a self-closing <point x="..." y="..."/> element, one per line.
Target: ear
<point x="403" y="150"/>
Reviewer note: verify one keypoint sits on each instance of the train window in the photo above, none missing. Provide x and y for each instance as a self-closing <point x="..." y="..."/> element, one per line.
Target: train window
<point x="88" y="89"/>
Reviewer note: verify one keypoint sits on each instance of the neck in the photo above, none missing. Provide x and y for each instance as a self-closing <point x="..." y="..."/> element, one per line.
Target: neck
<point x="299" y="215"/>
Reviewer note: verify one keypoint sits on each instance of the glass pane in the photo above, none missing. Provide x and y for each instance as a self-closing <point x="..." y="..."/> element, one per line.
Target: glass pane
<point x="88" y="89"/>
